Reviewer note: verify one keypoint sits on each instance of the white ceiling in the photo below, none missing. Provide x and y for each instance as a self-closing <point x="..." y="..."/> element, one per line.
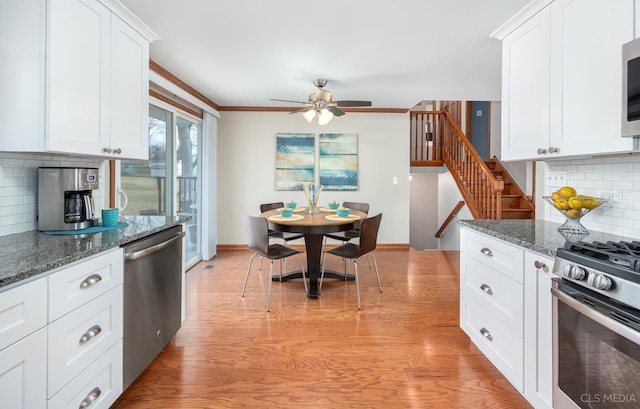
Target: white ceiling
<point x="395" y="54"/>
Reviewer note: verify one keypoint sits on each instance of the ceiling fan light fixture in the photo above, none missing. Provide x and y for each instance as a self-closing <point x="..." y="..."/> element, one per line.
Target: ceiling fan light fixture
<point x="325" y="117"/>
<point x="309" y="115"/>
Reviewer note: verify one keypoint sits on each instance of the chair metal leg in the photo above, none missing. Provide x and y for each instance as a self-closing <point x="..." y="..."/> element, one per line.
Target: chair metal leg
<point x="269" y="291"/>
<point x="376" y="268"/>
<point x="304" y="276"/>
<point x="324" y="264"/>
<point x="357" y="282"/>
<point x="247" y="277"/>
<point x="260" y="265"/>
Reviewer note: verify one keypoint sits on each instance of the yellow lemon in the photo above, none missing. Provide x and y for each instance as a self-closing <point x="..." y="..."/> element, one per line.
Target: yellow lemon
<point x="566" y="191"/>
<point x="590" y="203"/>
<point x="573" y="213"/>
<point x="575" y="203"/>
<point x="555" y="195"/>
<point x="561" y="204"/>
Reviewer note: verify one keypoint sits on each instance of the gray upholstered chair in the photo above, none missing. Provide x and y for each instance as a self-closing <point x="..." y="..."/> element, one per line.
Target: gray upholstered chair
<point x="257" y="229"/>
<point x="349" y="251"/>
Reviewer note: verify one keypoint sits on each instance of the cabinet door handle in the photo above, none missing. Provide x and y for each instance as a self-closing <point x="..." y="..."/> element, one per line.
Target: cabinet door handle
<point x="117" y="151"/>
<point x="553" y="150"/>
<point x="540" y="266"/>
<point x="485" y="333"/>
<point x="486" y="251"/>
<point x="542" y="151"/>
<point x="91" y="332"/>
<point x="90" y="398"/>
<point x="486" y="289"/>
<point x="106" y="150"/>
<point x="91" y="280"/>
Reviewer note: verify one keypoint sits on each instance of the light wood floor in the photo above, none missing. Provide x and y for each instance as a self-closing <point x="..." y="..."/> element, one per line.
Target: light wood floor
<point x="404" y="349"/>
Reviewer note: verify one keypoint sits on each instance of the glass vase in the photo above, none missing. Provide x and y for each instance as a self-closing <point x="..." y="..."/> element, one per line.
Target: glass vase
<point x="312" y="192"/>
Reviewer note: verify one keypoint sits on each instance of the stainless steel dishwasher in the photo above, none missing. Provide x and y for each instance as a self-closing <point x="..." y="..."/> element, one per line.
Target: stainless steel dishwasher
<point x="152" y="298"/>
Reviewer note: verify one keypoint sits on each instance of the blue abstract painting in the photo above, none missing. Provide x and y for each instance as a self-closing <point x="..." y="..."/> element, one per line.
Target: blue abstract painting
<point x="295" y="160"/>
<point x="338" y="165"/>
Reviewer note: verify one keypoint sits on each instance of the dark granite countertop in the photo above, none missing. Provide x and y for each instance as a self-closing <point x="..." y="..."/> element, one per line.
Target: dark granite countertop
<point x="537" y="235"/>
<point x="27" y="255"/>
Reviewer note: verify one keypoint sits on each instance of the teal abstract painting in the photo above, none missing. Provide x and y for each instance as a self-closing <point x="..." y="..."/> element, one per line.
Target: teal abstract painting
<point x="338" y="159"/>
<point x="295" y="160"/>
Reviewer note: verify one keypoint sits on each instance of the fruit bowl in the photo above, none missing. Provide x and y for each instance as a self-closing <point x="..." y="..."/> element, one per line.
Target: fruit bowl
<point x="574" y="208"/>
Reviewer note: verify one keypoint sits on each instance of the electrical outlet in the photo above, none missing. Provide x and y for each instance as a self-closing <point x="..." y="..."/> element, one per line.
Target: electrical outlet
<point x="556" y="179"/>
<point x="394" y="180"/>
<point x="612" y="195"/>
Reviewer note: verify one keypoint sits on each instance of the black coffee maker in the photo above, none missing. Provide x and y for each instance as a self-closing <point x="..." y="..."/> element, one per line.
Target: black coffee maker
<point x="65" y="198"/>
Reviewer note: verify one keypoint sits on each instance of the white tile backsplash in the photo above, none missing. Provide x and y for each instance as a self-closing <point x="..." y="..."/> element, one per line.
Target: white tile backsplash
<point x="19" y="189"/>
<point x="618" y="173"/>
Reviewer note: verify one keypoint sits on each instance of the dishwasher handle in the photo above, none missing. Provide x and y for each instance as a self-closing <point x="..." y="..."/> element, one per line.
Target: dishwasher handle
<point x="153" y="249"/>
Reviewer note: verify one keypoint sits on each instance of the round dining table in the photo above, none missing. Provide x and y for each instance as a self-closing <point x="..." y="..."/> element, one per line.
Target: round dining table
<point x="313" y="226"/>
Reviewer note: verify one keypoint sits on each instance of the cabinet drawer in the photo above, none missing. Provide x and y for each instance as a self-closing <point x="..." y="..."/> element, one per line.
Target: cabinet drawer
<point x="505" y="349"/>
<point x="80" y="337"/>
<point x="497" y="254"/>
<point x="73" y="286"/>
<point x="23" y="372"/>
<point x="23" y="309"/>
<point x="100" y="384"/>
<point x="501" y="296"/>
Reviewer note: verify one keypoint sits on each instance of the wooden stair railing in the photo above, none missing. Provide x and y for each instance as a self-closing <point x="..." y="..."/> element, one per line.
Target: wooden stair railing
<point x="451" y="216"/>
<point x="426" y="141"/>
<point x="479" y="188"/>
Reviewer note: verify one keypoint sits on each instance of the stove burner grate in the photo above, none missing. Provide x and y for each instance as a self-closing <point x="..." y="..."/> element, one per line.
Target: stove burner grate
<point x="624" y="254"/>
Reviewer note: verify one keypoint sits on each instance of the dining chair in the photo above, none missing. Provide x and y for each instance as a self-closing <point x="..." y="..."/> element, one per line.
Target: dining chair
<point x="349" y="251"/>
<point x="348" y="235"/>
<point x="257" y="229"/>
<point x="284" y="236"/>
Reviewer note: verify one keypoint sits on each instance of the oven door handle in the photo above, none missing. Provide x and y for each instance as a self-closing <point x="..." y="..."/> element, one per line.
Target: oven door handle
<point x="601" y="319"/>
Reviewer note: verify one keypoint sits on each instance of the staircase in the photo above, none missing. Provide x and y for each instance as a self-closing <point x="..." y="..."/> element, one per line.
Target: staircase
<point x="515" y="204"/>
<point x="487" y="188"/>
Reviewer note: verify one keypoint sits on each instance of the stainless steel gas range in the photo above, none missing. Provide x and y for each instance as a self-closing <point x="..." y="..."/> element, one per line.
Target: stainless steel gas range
<point x="596" y="314"/>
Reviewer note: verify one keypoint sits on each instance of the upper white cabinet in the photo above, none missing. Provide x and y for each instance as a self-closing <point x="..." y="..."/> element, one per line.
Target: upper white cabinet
<point x="91" y="95"/>
<point x="562" y="84"/>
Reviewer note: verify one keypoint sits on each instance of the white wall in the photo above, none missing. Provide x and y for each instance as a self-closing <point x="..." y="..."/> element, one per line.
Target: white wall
<point x="448" y="196"/>
<point x="246" y="168"/>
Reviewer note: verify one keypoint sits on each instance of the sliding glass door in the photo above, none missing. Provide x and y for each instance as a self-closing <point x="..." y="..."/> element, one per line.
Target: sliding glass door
<point x="170" y="181"/>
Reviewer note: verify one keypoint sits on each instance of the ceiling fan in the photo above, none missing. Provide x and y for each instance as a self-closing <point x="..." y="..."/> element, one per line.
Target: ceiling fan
<point x="320" y="103"/>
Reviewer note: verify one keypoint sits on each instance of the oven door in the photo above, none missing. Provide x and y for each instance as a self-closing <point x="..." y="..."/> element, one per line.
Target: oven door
<point x="596" y="350"/>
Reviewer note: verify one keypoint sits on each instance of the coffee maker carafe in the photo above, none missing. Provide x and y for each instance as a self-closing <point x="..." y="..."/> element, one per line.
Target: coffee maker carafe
<point x="65" y="198"/>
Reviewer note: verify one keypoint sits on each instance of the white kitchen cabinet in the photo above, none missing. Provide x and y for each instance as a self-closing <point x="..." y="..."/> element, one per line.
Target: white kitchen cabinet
<point x="23" y="345"/>
<point x="491" y="301"/>
<point x="89" y="96"/>
<point x="23" y="372"/>
<point x="538" y="382"/>
<point x="562" y="85"/>
<point x="510" y="321"/>
<point x="525" y="89"/>
<point x="85" y="322"/>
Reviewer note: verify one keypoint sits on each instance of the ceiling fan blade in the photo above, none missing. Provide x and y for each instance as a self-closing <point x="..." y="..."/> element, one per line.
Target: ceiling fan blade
<point x="301" y="110"/>
<point x="352" y="103"/>
<point x="286" y="100"/>
<point x="335" y="111"/>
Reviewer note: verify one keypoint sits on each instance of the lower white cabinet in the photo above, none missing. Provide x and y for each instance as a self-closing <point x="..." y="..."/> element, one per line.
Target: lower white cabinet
<point x="77" y="339"/>
<point x="97" y="387"/>
<point x="23" y="373"/>
<point x="538" y="384"/>
<point x="509" y="320"/>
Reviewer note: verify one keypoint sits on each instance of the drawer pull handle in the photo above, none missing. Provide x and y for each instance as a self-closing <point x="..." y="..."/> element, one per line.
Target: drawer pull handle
<point x="90" y="398"/>
<point x="540" y="266"/>
<point x="486" y="289"/>
<point x="486" y="251"/>
<point x="91" y="332"/>
<point x="485" y="333"/>
<point x="91" y="280"/>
